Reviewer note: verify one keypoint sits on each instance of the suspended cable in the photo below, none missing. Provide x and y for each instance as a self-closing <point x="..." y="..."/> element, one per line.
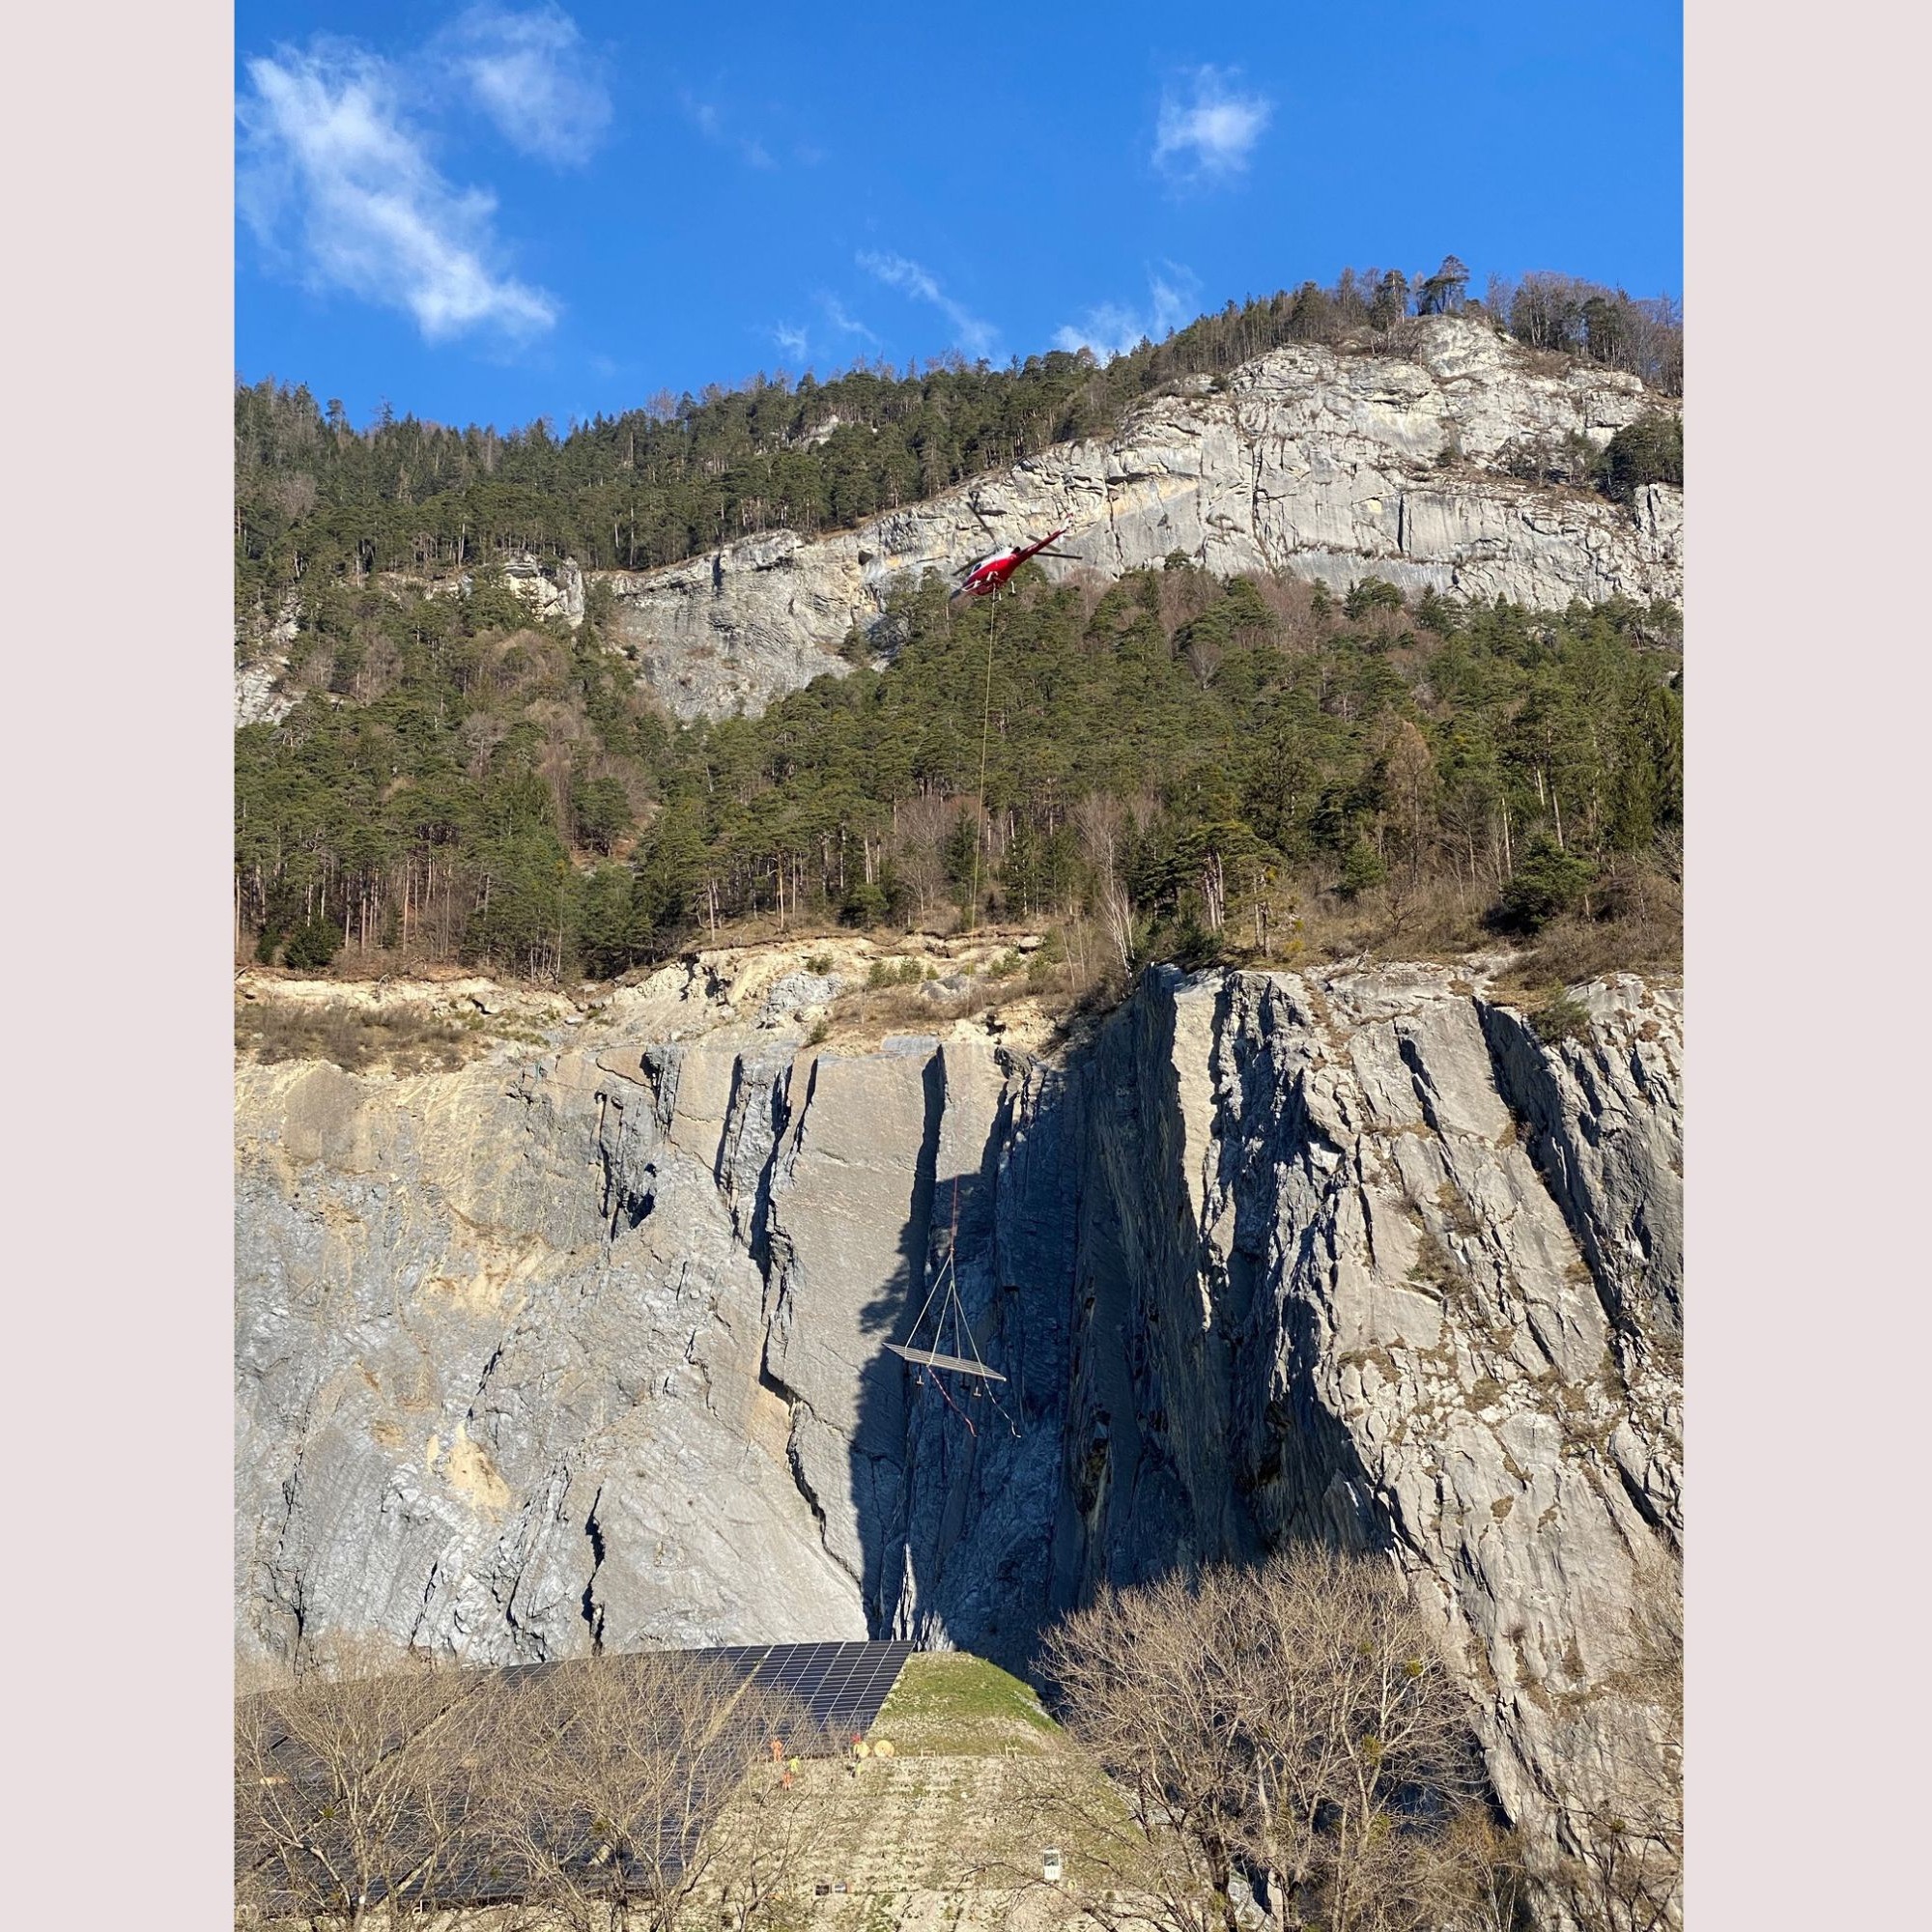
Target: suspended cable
<point x="986" y="734"/>
<point x="967" y="1360"/>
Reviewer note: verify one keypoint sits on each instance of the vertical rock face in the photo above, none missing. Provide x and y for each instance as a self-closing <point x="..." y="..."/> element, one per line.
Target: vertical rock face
<point x="592" y="1345"/>
<point x="1330" y="466"/>
<point x="1362" y="1260"/>
<point x="500" y="1345"/>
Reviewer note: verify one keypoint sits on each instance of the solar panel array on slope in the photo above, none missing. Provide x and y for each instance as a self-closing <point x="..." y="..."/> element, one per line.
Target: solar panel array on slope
<point x="841" y="1689"/>
<point x="842" y="1685"/>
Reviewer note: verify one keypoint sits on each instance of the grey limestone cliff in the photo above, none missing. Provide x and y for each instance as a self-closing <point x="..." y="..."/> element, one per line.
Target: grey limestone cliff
<point x="587" y="1343"/>
<point x="1333" y="465"/>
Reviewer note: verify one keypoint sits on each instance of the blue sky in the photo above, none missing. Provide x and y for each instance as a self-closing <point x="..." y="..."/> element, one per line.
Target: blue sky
<point x="490" y="213"/>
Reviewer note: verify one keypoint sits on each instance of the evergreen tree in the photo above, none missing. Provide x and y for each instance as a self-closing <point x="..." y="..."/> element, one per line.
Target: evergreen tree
<point x="1545" y="882"/>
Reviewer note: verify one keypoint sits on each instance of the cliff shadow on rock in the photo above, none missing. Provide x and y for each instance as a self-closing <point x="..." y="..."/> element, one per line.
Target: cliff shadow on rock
<point x="1193" y="1433"/>
<point x="1338" y="1281"/>
<point x="982" y="1468"/>
<point x="847" y="1226"/>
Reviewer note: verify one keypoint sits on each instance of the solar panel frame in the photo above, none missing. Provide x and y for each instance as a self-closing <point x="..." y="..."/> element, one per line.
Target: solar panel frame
<point x="842" y="1686"/>
<point x="931" y="1358"/>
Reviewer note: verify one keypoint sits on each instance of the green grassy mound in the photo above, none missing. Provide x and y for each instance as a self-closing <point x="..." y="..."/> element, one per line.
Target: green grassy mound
<point x="948" y="1704"/>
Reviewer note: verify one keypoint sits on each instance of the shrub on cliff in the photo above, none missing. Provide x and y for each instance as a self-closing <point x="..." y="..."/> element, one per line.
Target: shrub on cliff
<point x="1649" y="450"/>
<point x="1560" y="1018"/>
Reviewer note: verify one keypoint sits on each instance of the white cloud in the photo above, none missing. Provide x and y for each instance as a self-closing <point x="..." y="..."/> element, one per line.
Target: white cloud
<point x="1113" y="328"/>
<point x="1210" y="135"/>
<point x="846" y="324"/>
<point x="793" y="341"/>
<point x="1108" y="331"/>
<point x="333" y="179"/>
<point x="532" y="75"/>
<point x="976" y="337"/>
<point x="709" y="120"/>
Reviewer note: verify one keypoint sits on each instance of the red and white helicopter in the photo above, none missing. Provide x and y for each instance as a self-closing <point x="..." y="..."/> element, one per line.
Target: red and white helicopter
<point x="991" y="573"/>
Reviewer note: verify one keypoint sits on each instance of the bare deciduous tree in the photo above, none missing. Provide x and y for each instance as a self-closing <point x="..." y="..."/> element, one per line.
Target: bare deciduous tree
<point x="620" y="1771"/>
<point x="597" y="1795"/>
<point x="1097" y="822"/>
<point x="1296" y="1724"/>
<point x="1143" y="1674"/>
<point x="920" y="825"/>
<point x="764" y="1840"/>
<point x="362" y="1779"/>
<point x="1204" y="659"/>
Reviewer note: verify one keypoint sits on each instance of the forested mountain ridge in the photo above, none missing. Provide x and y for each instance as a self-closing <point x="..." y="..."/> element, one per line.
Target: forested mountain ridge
<point x="1456" y="460"/>
<point x="1223" y="768"/>
<point x="1389" y="657"/>
<point x="316" y="499"/>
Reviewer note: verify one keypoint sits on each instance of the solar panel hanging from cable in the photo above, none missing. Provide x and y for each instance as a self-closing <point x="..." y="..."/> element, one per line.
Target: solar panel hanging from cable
<point x="947" y="1319"/>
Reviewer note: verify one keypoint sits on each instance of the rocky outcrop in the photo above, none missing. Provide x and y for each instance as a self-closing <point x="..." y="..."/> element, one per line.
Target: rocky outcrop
<point x="262" y="646"/>
<point x="258" y="698"/>
<point x="586" y="1340"/>
<point x="551" y="592"/>
<point x="1322" y="463"/>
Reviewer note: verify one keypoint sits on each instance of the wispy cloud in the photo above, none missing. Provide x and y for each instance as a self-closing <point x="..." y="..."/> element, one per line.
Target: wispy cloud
<point x="974" y="336"/>
<point x="846" y="324"/>
<point x="709" y="120"/>
<point x="791" y="339"/>
<point x="1207" y="127"/>
<point x="334" y="177"/>
<point x="1113" y="328"/>
<point x="532" y="75"/>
